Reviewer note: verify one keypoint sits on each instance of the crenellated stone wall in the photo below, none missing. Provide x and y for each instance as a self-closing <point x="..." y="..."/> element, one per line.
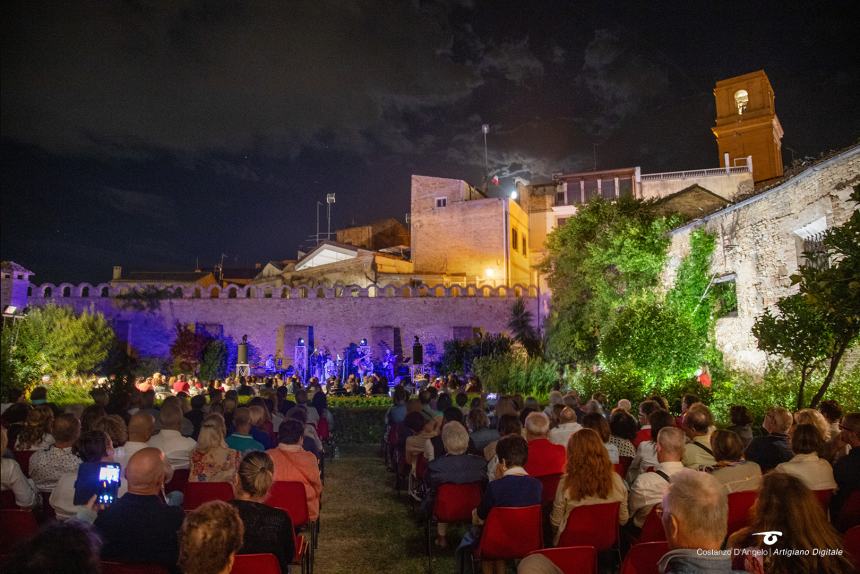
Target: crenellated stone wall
<point x="329" y="318"/>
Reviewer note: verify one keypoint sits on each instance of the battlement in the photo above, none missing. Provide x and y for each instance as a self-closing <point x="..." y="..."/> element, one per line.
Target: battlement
<point x="47" y="292"/>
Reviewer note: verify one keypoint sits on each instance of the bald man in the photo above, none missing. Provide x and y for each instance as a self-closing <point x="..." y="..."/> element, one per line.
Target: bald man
<point x="140" y="526"/>
<point x="140" y="429"/>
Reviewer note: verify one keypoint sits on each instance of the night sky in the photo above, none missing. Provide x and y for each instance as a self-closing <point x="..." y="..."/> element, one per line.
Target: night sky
<point x="148" y="134"/>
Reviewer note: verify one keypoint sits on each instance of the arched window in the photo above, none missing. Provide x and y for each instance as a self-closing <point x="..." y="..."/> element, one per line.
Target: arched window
<point x="67" y="291"/>
<point x="85" y="292"/>
<point x="29" y="291"/>
<point x="214" y="293"/>
<point x="48" y="292"/>
<point x="105" y="292"/>
<point x="249" y="292"/>
<point x="231" y="294"/>
<point x="178" y="294"/>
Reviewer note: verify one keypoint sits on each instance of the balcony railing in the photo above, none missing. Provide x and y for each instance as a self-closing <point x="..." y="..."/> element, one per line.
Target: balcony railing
<point x="697" y="173"/>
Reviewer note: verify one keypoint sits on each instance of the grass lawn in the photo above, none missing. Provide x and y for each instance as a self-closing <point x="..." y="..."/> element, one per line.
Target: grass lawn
<point x="366" y="527"/>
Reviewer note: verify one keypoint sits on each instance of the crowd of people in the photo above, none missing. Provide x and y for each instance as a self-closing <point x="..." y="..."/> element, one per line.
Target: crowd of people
<point x="804" y="468"/>
<point x="161" y="449"/>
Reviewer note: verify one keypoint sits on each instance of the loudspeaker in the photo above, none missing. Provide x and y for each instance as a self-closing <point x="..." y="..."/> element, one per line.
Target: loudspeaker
<point x="417" y="353"/>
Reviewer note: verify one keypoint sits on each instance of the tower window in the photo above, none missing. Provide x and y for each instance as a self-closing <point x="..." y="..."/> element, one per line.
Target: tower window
<point x="441" y="202"/>
<point x="515" y="243"/>
<point x="742" y="100"/>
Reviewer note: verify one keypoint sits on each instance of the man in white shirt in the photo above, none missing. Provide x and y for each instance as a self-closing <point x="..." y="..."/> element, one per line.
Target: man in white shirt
<point x="140" y="429"/>
<point x="649" y="487"/>
<point x="176" y="448"/>
<point x="566" y="427"/>
<point x="697" y="423"/>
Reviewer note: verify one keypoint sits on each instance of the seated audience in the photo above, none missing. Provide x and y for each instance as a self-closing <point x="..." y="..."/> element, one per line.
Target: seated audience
<point x="646" y="452"/>
<point x="47" y="466"/>
<point x="512" y="487"/>
<point x="649" y="487"/>
<point x="816" y="473"/>
<point x="597" y="423"/>
<point x="645" y="410"/>
<point x="423" y="429"/>
<point x="772" y="449"/>
<point x="741" y="423"/>
<point x="92" y="447"/>
<point x="397" y="412"/>
<point x="695" y="516"/>
<point x="69" y="547"/>
<point x="815" y="418"/>
<point x="311" y="442"/>
<point x="240" y="439"/>
<point x="481" y="434"/>
<point x="36" y="433"/>
<point x="434" y="447"/>
<point x="292" y="462"/>
<point x="544" y="457"/>
<point x="90" y="415"/>
<point x="140" y="527"/>
<point x="212" y="460"/>
<point x="176" y="448"/>
<point x="589" y="479"/>
<point x="141" y="425"/>
<point x="846" y="472"/>
<point x="210" y="537"/>
<point x="454" y="466"/>
<point x="832" y="413"/>
<point x="623" y="427"/>
<point x="687" y="401"/>
<point x="509" y="425"/>
<point x="731" y="470"/>
<point x="12" y="478"/>
<point x="698" y="421"/>
<point x="302" y="400"/>
<point x="186" y="427"/>
<point x="196" y="414"/>
<point x="567" y="425"/>
<point x="268" y="530"/>
<point x="787" y="506"/>
<point x="260" y="427"/>
<point x="114" y="426"/>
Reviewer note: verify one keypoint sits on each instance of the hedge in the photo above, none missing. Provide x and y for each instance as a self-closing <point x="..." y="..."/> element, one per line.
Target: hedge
<point x="358" y="424"/>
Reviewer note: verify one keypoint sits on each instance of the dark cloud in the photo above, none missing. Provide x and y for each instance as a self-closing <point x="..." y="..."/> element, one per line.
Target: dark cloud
<point x="188" y="78"/>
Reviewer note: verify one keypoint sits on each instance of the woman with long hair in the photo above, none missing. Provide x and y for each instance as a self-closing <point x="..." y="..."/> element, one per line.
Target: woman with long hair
<point x="267" y="529"/>
<point x="588" y="479"/>
<point x="36" y="433"/>
<point x="786" y="505"/>
<point x="212" y="460"/>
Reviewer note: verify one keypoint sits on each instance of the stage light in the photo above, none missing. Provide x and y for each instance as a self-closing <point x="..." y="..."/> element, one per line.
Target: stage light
<point x="301" y="342"/>
<point x="490" y="272"/>
<point x="10" y="310"/>
<point x="363" y="342"/>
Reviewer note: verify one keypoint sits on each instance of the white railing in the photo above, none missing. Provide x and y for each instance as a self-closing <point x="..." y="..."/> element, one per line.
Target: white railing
<point x="696" y="173"/>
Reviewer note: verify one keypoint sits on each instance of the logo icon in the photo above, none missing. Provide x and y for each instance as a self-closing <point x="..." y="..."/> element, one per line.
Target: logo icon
<point x="770" y="536"/>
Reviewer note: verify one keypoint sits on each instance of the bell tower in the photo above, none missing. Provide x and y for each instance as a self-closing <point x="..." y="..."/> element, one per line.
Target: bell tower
<point x="746" y="124"/>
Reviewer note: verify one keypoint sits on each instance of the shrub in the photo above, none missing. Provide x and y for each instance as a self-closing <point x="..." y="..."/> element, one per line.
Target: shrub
<point x="512" y="374"/>
<point x="363" y="425"/>
<point x="70" y="391"/>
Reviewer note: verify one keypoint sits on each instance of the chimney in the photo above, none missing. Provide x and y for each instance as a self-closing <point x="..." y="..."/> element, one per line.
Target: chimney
<point x="117" y="272"/>
<point x="258" y="265"/>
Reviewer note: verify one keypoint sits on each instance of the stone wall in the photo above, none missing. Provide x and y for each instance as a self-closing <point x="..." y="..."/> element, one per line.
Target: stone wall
<point x="329" y="318"/>
<point x="758" y="240"/>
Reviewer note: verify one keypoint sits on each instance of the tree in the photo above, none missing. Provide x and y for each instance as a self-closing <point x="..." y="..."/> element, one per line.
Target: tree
<point x="799" y="333"/>
<point x="54" y="340"/>
<point x="827" y="322"/>
<point x="186" y="351"/>
<point x="653" y="341"/>
<point x="606" y="254"/>
<point x="522" y="328"/>
<point x="214" y="362"/>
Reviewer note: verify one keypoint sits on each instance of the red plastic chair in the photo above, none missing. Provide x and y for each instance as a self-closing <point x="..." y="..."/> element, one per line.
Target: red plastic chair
<point x="16" y="526"/>
<point x="652" y="528"/>
<point x="290" y="496"/>
<point x="573" y="559"/>
<point x="849" y="514"/>
<point x="455" y="502"/>
<point x="549" y="484"/>
<point x="23" y="458"/>
<point x="740" y="504"/>
<point x="179" y="480"/>
<point x="196" y="493"/>
<point x="642" y="558"/>
<point x="420" y="467"/>
<point x="852" y="544"/>
<point x="322" y="429"/>
<point x="592" y="525"/>
<point x="824" y="497"/>
<point x="255" y="564"/>
<point x="510" y="533"/>
<point x="126" y="568"/>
